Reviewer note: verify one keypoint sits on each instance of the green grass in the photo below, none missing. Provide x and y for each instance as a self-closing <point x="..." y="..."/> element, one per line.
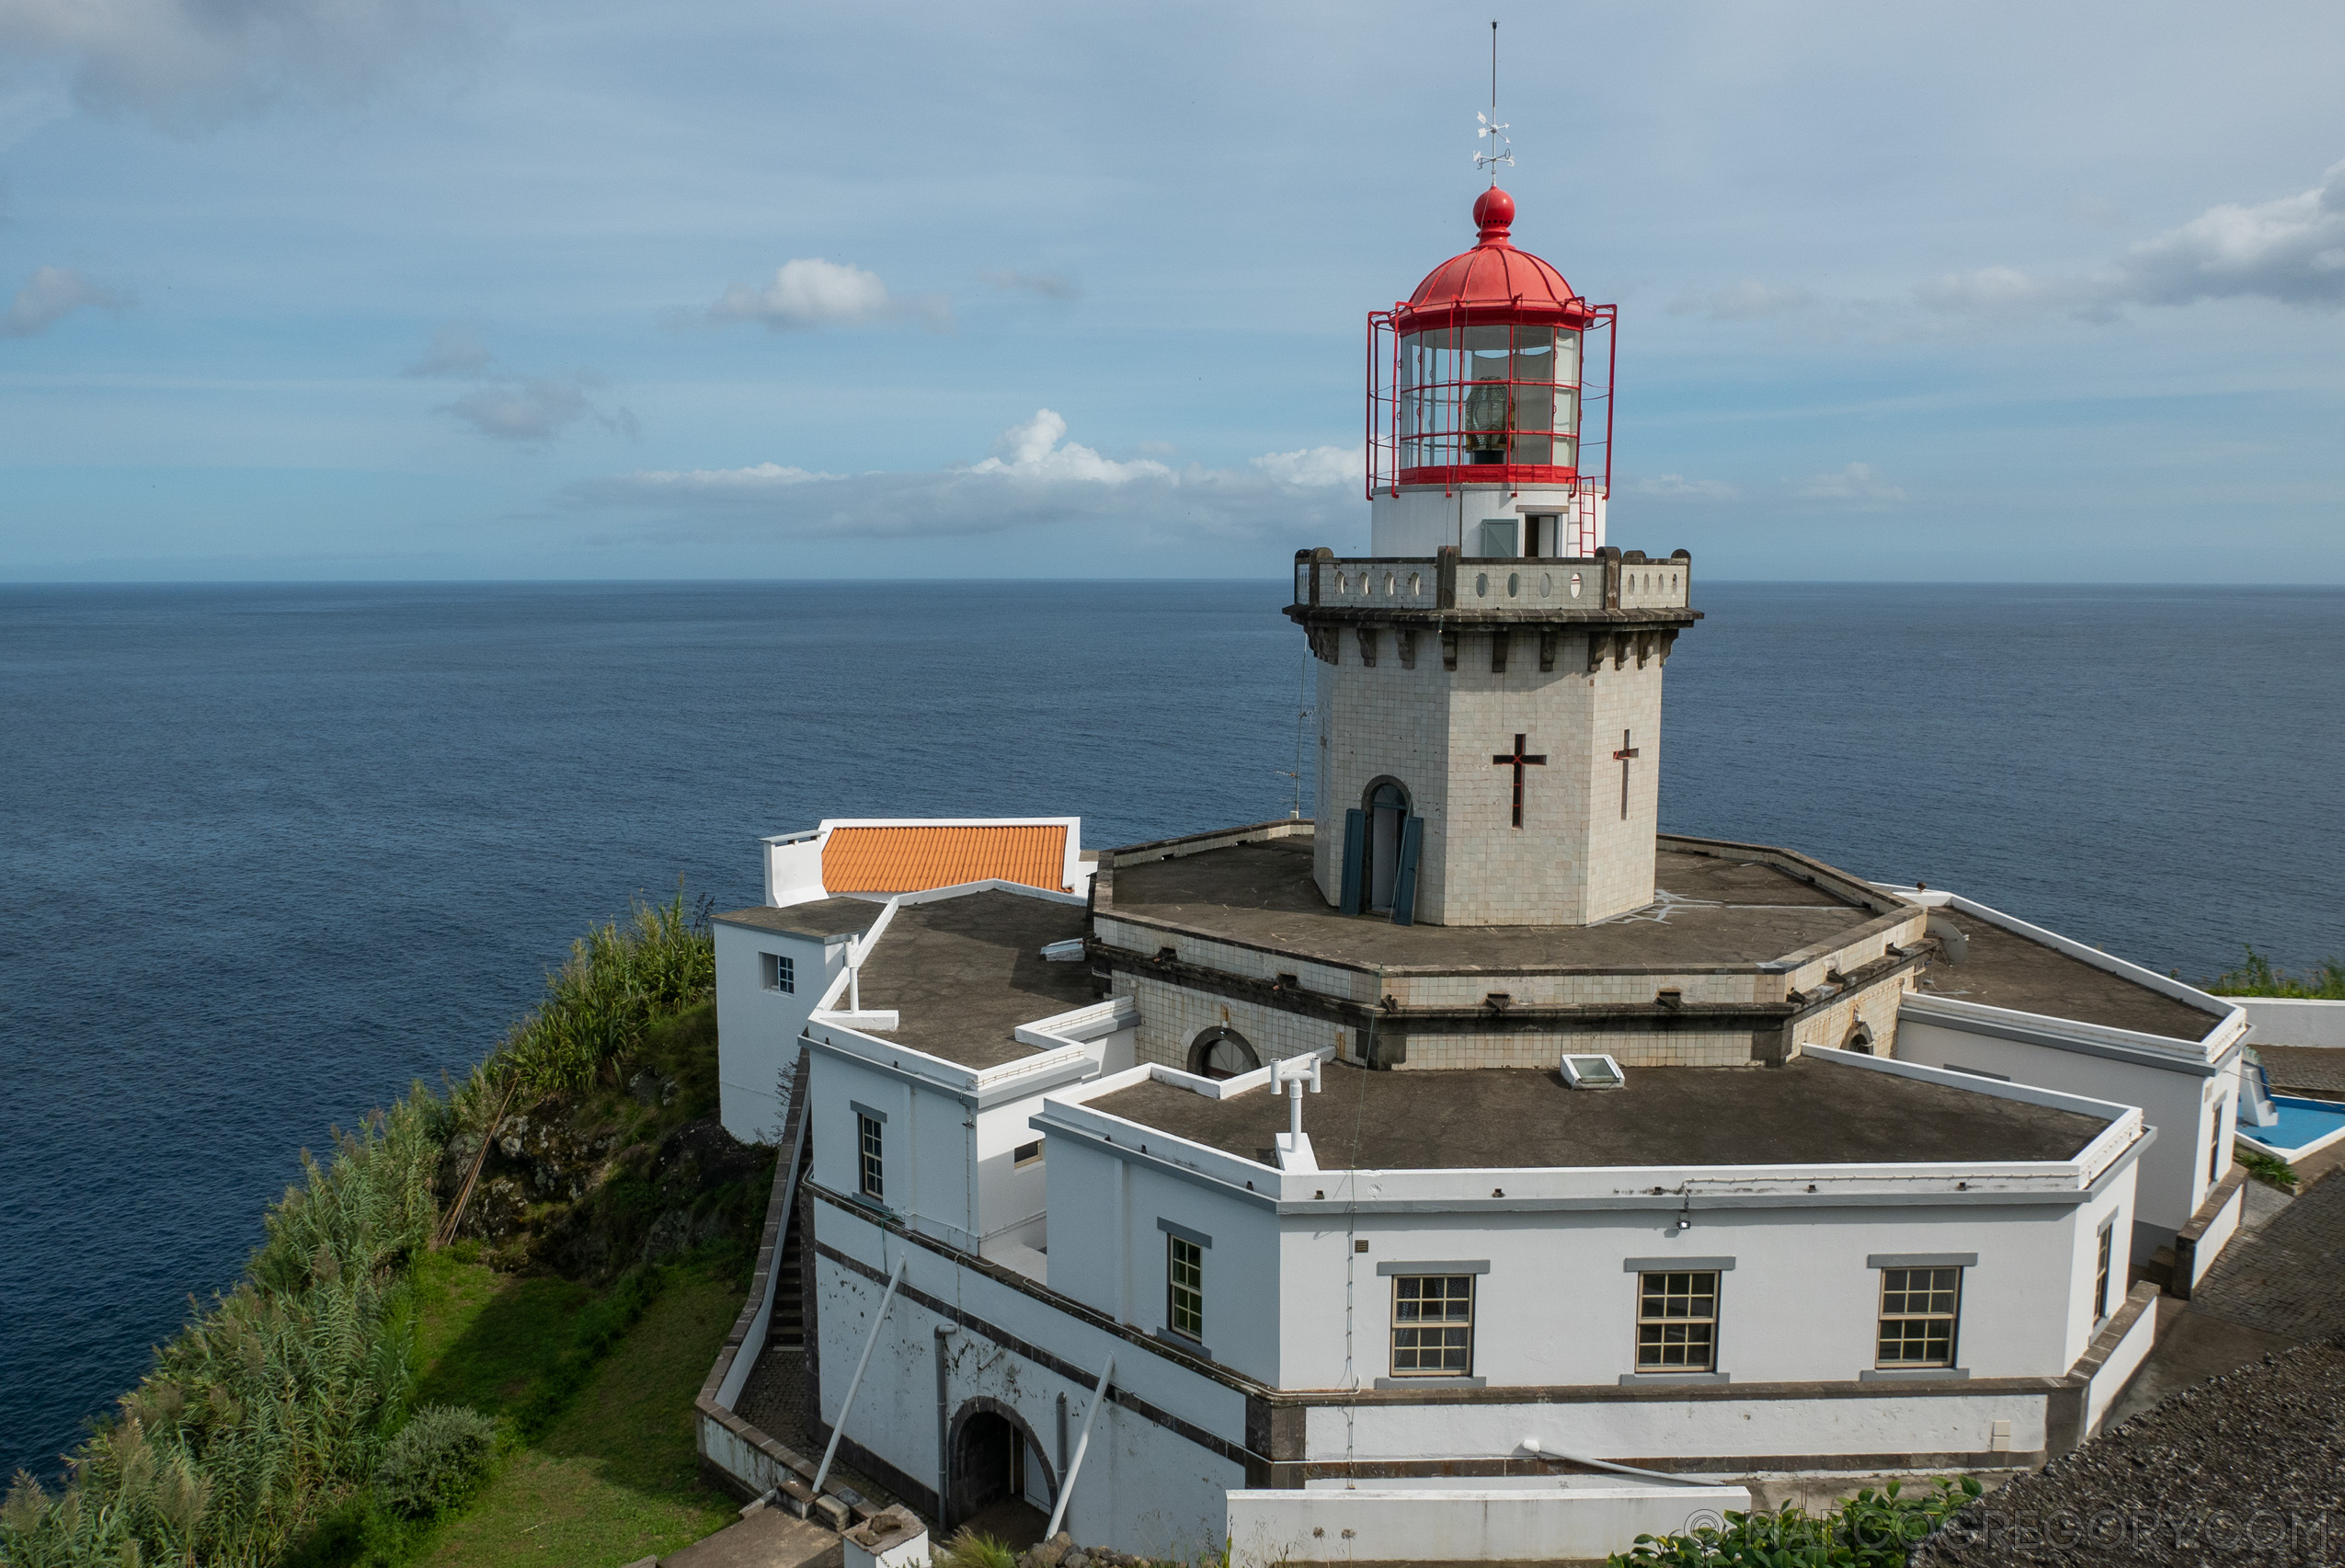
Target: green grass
<point x="490" y="1340"/>
<point x="615" y="1476"/>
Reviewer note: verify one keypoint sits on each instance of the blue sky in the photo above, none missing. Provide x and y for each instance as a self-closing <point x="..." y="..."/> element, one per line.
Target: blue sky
<point x="460" y="288"/>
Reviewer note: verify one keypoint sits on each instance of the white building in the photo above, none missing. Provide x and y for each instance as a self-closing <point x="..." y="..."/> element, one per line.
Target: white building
<point x="1477" y="1142"/>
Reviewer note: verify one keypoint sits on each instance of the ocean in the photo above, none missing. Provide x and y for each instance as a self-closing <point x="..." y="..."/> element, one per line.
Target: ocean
<point x="271" y="852"/>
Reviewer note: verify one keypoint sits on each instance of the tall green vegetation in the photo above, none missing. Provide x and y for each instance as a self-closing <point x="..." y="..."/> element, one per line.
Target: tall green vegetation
<point x="2255" y="977"/>
<point x="281" y="1400"/>
<point x="275" y="1400"/>
<point x="620" y="981"/>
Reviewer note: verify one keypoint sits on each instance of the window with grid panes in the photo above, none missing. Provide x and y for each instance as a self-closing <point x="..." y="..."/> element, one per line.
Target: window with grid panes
<point x="868" y="1153"/>
<point x="1918" y="1306"/>
<point x="1677" y="1323"/>
<point x="1432" y="1326"/>
<point x="1184" y="1287"/>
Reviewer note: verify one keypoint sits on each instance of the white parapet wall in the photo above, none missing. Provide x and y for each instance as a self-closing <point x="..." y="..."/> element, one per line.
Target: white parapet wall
<point x="2289" y="1021"/>
<point x="1538" y="1523"/>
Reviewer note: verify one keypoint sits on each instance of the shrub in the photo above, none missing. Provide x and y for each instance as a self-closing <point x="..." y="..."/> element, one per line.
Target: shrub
<point x="1873" y="1529"/>
<point x="601" y="1006"/>
<point x="437" y="1459"/>
<point x="2270" y="1169"/>
<point x="2257" y="978"/>
<point x="971" y="1548"/>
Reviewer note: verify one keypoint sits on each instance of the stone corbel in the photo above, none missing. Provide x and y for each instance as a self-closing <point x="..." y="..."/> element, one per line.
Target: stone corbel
<point x="1367" y="647"/>
<point x="1449" y="649"/>
<point x="1644" y="648"/>
<point x="1621" y="648"/>
<point x="1546" y="649"/>
<point x="1668" y="641"/>
<point x="1595" y="650"/>
<point x="1498" y="640"/>
<point x="1407" y="638"/>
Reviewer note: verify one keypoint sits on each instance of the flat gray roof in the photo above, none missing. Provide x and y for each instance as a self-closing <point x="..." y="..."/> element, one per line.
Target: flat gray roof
<point x="1714" y="911"/>
<point x="820" y="917"/>
<point x="963" y="973"/>
<point x="1803" y="1113"/>
<point x="2005" y="969"/>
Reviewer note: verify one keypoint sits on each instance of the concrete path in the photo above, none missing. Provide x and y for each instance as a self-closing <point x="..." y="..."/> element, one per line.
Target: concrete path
<point x="767" y="1539"/>
<point x="2276" y="1284"/>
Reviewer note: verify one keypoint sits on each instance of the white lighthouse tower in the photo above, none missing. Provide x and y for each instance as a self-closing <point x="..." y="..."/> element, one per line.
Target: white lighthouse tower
<point x="1489" y="673"/>
<point x="1489" y="407"/>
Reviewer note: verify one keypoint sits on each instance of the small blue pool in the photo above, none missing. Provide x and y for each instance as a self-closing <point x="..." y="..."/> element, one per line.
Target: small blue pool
<point x="2302" y="1124"/>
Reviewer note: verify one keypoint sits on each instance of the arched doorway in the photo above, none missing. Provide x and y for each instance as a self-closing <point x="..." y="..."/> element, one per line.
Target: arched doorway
<point x="1221" y="1052"/>
<point x="1386" y="805"/>
<point x="998" y="1471"/>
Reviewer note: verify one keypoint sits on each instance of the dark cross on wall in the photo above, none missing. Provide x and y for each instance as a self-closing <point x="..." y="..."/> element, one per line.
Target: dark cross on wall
<point x="1518" y="761"/>
<point x="1624" y="756"/>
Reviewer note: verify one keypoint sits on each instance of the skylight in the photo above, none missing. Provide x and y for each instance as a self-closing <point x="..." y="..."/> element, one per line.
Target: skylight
<point x="1592" y="1073"/>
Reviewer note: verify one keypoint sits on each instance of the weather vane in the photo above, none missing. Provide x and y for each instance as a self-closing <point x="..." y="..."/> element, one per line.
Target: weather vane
<point x="1501" y="150"/>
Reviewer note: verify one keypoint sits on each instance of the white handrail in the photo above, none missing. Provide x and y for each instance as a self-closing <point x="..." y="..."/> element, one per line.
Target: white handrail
<point x="1082" y="1441"/>
<point x="855" y="1382"/>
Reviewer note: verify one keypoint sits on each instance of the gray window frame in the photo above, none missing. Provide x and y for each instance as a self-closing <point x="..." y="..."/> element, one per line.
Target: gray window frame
<point x="779" y="973"/>
<point x="871" y="1154"/>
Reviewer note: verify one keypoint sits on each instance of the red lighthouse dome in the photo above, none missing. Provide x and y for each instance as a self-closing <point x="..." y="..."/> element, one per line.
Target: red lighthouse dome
<point x="1480" y="376"/>
<point x="1494" y="280"/>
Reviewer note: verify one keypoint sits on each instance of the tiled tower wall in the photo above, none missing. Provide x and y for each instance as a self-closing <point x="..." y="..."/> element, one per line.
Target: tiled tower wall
<point x="1575" y="859"/>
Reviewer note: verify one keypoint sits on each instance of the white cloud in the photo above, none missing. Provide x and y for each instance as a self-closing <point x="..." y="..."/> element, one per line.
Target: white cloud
<point x="1748" y="300"/>
<point x="184" y="64"/>
<point x="1678" y="487"/>
<point x="809" y="292"/>
<point x="1316" y="465"/>
<point x="1049" y="285"/>
<point x="2291" y="251"/>
<point x="1035" y="477"/>
<point x="1854" y="485"/>
<point x="537" y="409"/>
<point x="508" y="404"/>
<point x="52" y="294"/>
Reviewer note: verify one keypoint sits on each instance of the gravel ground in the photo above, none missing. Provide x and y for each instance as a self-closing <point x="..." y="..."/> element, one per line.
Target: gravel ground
<point x="2247" y="1470"/>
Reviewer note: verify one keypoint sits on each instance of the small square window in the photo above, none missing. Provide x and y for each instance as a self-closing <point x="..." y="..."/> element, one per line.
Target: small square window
<point x="1677" y="1323"/>
<point x="1918" y="1310"/>
<point x="1432" y="1326"/>
<point x="781" y="971"/>
<point x="1184" y="1282"/>
<point x="1026" y="1154"/>
<point x="869" y="1174"/>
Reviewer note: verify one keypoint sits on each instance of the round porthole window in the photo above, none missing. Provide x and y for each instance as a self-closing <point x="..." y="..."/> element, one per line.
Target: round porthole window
<point x="1575" y="585"/>
<point x="1514" y="584"/>
<point x="1482" y="585"/>
<point x="1416" y="584"/>
<point x="1546" y="585"/>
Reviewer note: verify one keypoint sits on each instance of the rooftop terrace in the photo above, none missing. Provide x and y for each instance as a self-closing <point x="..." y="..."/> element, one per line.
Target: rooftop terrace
<point x="2005" y="969"/>
<point x="1712" y="911"/>
<point x="1804" y="1112"/>
<point x="819" y="917"/>
<point x="963" y="973"/>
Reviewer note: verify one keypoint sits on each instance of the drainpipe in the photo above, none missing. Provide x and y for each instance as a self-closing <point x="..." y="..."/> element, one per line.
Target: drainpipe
<point x="944" y="1430"/>
<point x="1082" y="1441"/>
<point x="855" y="1382"/>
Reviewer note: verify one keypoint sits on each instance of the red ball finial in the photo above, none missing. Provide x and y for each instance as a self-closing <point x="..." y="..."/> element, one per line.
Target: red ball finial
<point x="1494" y="211"/>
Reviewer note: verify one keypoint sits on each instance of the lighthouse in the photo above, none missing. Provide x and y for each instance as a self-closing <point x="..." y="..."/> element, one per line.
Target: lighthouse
<point x="1488" y="675"/>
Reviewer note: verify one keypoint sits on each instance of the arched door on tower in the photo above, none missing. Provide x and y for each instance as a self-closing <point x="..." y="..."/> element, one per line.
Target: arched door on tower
<point x="1381" y="843"/>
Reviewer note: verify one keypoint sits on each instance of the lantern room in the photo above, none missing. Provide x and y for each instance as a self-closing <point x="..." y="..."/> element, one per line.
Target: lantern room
<point x="1489" y="407"/>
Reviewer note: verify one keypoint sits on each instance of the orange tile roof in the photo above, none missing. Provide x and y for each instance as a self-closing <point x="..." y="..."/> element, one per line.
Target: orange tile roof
<point x="908" y="859"/>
